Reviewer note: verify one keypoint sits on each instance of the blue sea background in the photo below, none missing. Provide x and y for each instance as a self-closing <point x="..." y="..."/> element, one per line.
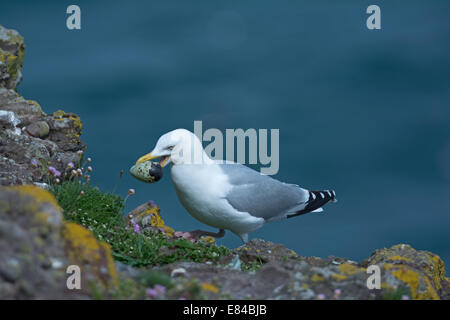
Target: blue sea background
<point x="366" y="113"/>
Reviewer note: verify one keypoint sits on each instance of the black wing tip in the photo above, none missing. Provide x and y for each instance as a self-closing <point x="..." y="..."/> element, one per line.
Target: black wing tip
<point x="316" y="200"/>
<point x="328" y="195"/>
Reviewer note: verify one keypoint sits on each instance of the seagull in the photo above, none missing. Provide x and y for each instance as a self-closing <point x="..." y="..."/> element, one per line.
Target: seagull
<point x="227" y="195"/>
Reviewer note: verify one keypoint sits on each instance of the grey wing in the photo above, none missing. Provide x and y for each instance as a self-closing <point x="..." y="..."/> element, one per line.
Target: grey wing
<point x="261" y="195"/>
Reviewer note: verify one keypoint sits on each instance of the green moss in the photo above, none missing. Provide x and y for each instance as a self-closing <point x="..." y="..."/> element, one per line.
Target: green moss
<point x="133" y="289"/>
<point x="395" y="293"/>
<point x="152" y="278"/>
<point x="101" y="213"/>
<point x="128" y="289"/>
<point x="252" y="265"/>
<point x="13" y="65"/>
<point x="12" y="55"/>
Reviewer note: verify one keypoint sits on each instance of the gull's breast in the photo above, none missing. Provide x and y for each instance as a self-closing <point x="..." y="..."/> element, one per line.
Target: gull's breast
<point x="201" y="189"/>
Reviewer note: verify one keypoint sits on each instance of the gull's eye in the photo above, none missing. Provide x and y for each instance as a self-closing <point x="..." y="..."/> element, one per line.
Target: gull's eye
<point x="170" y="148"/>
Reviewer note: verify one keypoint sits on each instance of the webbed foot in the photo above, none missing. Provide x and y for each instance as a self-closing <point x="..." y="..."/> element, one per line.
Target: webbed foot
<point x="196" y="234"/>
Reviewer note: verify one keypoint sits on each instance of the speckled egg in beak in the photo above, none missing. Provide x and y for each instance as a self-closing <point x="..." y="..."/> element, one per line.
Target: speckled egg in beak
<point x="147" y="171"/>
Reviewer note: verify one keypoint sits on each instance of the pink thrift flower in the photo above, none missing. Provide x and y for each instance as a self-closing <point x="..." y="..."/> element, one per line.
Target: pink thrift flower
<point x="54" y="172"/>
<point x="160" y="289"/>
<point x="137" y="228"/>
<point x="337" y="293"/>
<point x="152" y="293"/>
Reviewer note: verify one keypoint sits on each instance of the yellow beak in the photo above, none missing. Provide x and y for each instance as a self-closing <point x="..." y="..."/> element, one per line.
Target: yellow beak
<point x="149" y="156"/>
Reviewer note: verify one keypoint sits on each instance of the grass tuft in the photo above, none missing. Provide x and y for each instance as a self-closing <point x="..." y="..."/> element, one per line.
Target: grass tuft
<point x="396" y="293"/>
<point x="102" y="213"/>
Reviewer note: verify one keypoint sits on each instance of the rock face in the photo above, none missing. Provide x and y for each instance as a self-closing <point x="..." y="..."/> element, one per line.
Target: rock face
<point x="12" y="54"/>
<point x="283" y="274"/>
<point x="30" y="140"/>
<point x="37" y="246"/>
<point x="147" y="215"/>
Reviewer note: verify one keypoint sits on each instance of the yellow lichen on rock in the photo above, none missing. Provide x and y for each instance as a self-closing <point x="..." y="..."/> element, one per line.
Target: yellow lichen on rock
<point x="38" y="194"/>
<point x="399" y="258"/>
<point x="210" y="287"/>
<point x="339" y="277"/>
<point x="45" y="238"/>
<point x="37" y="108"/>
<point x="110" y="262"/>
<point x="436" y="270"/>
<point x="158" y="222"/>
<point x="413" y="279"/>
<point x="42" y="217"/>
<point x="12" y="54"/>
<point x="40" y="204"/>
<point x="430" y="293"/>
<point x="208" y="239"/>
<point x="75" y="132"/>
<point x="316" y="277"/>
<point x="422" y="271"/>
<point x="350" y="269"/>
<point x="152" y="216"/>
<point x="60" y="115"/>
<point x="84" y="248"/>
<point x="11" y="62"/>
<point x="418" y="282"/>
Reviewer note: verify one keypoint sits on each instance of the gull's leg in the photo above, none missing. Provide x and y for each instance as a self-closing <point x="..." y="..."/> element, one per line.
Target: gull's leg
<point x="244" y="237"/>
<point x="196" y="234"/>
